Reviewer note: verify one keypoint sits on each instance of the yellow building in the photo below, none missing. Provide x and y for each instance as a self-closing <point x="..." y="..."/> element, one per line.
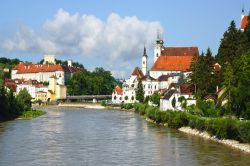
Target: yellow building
<point x="41" y="96"/>
<point x="56" y="91"/>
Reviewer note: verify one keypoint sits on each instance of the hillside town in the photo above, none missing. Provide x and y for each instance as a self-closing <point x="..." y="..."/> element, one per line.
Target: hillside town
<point x="44" y="82"/>
<point x="125" y="85"/>
<point x="171" y="66"/>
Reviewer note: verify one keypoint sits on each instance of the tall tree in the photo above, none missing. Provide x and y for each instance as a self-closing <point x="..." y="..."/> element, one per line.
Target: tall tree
<point x="24" y="99"/>
<point x="140" y="92"/>
<point x="232" y="45"/>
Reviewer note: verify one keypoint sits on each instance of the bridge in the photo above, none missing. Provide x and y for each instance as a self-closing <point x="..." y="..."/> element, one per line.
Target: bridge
<point x="94" y="98"/>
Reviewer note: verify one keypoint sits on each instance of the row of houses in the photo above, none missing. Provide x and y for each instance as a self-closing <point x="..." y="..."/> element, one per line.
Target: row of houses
<point x="170" y="65"/>
<point x="44" y="82"/>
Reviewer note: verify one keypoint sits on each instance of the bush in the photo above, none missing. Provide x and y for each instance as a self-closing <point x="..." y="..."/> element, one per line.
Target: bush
<point x="222" y="128"/>
<point x="127" y="106"/>
<point x="243" y="128"/>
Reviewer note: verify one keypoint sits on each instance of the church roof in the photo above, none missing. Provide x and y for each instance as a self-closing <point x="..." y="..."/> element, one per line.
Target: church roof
<point x="175" y="59"/>
<point x="37" y="68"/>
<point x="187" y="89"/>
<point x="118" y="90"/>
<point x="137" y="72"/>
<point x="172" y="63"/>
<point x="179" y="51"/>
<point x="244" y="22"/>
<point x="148" y="77"/>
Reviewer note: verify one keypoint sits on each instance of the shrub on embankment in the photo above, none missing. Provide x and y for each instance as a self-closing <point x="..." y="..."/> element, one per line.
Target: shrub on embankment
<point x="222" y="128"/>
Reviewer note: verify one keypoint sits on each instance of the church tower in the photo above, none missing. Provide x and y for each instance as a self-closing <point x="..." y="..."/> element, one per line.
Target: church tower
<point x="144" y="62"/>
<point x="158" y="47"/>
<point x="242" y="13"/>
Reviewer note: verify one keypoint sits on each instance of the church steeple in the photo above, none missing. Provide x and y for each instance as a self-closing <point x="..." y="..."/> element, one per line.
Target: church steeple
<point x="242" y="12"/>
<point x="144" y="52"/>
<point x="144" y="61"/>
<point x="158" y="46"/>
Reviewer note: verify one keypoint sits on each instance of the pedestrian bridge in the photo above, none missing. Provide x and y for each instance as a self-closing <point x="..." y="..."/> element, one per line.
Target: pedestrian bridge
<point x="94" y="98"/>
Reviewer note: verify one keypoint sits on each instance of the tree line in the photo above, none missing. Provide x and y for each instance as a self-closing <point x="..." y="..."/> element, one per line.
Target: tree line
<point x="97" y="82"/>
<point x="12" y="106"/>
<point x="233" y="77"/>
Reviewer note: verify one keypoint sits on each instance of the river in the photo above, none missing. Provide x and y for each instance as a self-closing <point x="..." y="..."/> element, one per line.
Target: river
<point x="76" y="136"/>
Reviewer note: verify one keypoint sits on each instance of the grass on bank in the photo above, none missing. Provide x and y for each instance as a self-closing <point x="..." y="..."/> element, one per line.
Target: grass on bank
<point x="221" y="127"/>
<point x="27" y="115"/>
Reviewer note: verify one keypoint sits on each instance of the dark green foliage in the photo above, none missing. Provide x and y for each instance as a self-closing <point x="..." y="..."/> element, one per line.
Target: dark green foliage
<point x="203" y="76"/>
<point x="222" y="128"/>
<point x="243" y="131"/>
<point x="24" y="99"/>
<point x="11" y="106"/>
<point x="140" y="92"/>
<point x="155" y="99"/>
<point x="173" y="102"/>
<point x="127" y="106"/>
<point x="98" y="82"/>
<point x="232" y="45"/>
<point x="237" y="81"/>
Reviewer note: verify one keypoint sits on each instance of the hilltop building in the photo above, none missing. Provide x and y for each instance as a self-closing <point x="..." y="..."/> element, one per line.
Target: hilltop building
<point x="170" y="63"/>
<point x="43" y="72"/>
<point x="244" y="20"/>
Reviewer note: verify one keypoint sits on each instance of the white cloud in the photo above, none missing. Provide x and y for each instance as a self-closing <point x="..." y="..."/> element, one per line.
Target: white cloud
<point x="118" y="39"/>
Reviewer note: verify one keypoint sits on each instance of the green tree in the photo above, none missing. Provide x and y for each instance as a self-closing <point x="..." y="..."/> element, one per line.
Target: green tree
<point x="24" y="99"/>
<point x="232" y="45"/>
<point x="240" y="94"/>
<point x="202" y="74"/>
<point x="155" y="99"/>
<point x="229" y="84"/>
<point x="173" y="102"/>
<point x="140" y="92"/>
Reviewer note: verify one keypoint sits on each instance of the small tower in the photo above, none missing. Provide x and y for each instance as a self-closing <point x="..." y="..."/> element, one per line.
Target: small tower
<point x="158" y="47"/>
<point x="242" y="12"/>
<point x="70" y="63"/>
<point x="144" y="61"/>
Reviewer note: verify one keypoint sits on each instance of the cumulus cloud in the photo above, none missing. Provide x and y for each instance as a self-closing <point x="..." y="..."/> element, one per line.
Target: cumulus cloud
<point x="117" y="38"/>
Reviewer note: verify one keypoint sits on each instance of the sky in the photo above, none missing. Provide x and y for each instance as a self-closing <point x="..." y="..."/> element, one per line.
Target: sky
<point x="111" y="33"/>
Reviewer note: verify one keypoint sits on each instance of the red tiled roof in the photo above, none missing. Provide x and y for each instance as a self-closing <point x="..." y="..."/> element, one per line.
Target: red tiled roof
<point x="187" y="89"/>
<point x="137" y="72"/>
<point x="173" y="63"/>
<point x="179" y="51"/>
<point x="244" y="22"/>
<point x="10" y="84"/>
<point x="37" y="68"/>
<point x="118" y="90"/>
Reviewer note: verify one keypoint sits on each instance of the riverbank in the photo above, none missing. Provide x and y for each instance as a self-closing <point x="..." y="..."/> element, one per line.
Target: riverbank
<point x="82" y="105"/>
<point x="28" y="115"/>
<point x="231" y="132"/>
<point x="228" y="142"/>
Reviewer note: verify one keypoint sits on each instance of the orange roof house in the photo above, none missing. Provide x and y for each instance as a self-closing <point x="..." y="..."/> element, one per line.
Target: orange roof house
<point x="175" y="59"/>
<point x="37" y="68"/>
<point x="118" y="90"/>
<point x="137" y="72"/>
<point x="244" y="22"/>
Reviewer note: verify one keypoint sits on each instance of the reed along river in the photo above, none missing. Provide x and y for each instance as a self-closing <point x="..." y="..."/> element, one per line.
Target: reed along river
<point x="77" y="136"/>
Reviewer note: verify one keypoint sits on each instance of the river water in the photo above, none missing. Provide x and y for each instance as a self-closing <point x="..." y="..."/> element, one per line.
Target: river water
<point x="76" y="136"/>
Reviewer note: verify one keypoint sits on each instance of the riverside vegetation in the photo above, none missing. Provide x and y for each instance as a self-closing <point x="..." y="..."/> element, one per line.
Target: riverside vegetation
<point x="12" y="107"/>
<point x="221" y="127"/>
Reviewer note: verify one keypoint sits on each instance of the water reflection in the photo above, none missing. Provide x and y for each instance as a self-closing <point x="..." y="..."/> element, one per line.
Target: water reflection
<point x="96" y="137"/>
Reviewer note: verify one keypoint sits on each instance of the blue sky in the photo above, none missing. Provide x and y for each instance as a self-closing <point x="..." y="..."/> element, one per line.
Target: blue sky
<point x="29" y="28"/>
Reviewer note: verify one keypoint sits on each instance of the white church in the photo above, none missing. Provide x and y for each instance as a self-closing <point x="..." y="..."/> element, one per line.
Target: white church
<point x="169" y="64"/>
